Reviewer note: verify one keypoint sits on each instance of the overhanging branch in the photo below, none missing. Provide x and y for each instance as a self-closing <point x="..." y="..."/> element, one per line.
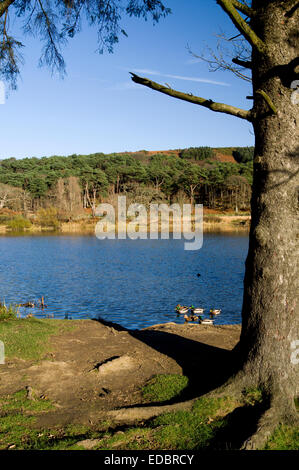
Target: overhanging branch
<point x="243" y="8"/>
<point x="4" y="6"/>
<point x="241" y="25"/>
<point x="206" y="103"/>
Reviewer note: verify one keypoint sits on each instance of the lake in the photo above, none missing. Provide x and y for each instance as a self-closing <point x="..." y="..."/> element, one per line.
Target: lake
<point x="135" y="283"/>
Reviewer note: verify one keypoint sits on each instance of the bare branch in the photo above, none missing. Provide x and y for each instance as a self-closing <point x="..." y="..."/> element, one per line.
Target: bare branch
<point x="222" y="59"/>
<point x="206" y="103"/>
<point x="244" y="8"/>
<point x="4" y="6"/>
<point x="292" y="11"/>
<point x="242" y="26"/>
<point x="242" y="63"/>
<point x="268" y="100"/>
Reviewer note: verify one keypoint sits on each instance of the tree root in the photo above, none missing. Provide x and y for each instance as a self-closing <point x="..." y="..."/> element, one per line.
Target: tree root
<point x="267" y="424"/>
<point x="135" y="414"/>
<point x="233" y="388"/>
<point x="279" y="411"/>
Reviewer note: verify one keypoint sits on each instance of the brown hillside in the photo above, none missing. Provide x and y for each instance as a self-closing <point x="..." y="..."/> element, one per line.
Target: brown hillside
<point x="221" y="157"/>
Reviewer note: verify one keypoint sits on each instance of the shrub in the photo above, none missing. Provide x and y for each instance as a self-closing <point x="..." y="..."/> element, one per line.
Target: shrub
<point x="18" y="224"/>
<point x="7" y="313"/>
<point x="4" y="219"/>
<point x="211" y="219"/>
<point x="48" y="217"/>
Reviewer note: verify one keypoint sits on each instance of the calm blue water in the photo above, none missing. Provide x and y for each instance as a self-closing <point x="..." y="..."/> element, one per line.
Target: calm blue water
<point x="135" y="283"/>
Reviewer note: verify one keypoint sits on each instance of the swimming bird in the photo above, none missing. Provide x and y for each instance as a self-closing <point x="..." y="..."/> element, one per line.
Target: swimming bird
<point x="196" y="310"/>
<point x="181" y="309"/>
<point x="27" y="304"/>
<point x="190" y="318"/>
<point x="207" y="321"/>
<point x="215" y="311"/>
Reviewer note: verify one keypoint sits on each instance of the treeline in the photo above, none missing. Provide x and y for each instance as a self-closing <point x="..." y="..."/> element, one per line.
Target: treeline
<point x="77" y="182"/>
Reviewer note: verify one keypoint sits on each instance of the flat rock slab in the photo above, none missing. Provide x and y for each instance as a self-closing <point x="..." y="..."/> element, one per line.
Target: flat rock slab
<point x="119" y="365"/>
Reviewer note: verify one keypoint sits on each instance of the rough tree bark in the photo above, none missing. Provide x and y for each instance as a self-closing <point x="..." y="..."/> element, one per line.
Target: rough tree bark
<point x="270" y="320"/>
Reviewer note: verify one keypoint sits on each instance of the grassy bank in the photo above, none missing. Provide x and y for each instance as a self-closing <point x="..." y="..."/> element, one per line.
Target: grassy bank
<point x="220" y="423"/>
<point x="214" y="424"/>
<point x="27" y="338"/>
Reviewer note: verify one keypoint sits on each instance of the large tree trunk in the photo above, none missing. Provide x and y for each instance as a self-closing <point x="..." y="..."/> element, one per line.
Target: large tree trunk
<point x="270" y="321"/>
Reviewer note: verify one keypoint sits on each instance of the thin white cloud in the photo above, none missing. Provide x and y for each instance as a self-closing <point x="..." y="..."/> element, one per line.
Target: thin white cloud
<point x="195" y="79"/>
<point x="123" y="86"/>
<point x="147" y="71"/>
<point x="193" y="61"/>
<point x="180" y="77"/>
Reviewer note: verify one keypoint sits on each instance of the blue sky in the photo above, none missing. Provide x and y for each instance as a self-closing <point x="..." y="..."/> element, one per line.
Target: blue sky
<point x="97" y="108"/>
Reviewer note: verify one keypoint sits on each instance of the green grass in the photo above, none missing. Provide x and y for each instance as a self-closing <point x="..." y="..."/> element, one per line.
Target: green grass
<point x="183" y="430"/>
<point x="284" y="438"/>
<point x="19" y="401"/>
<point x="164" y="387"/>
<point x="252" y="396"/>
<point x="194" y="430"/>
<point x="8" y="313"/>
<point x="27" y="338"/>
<point x="16" y="418"/>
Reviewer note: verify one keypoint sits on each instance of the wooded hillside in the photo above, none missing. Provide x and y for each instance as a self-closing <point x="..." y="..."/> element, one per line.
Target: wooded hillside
<point x="218" y="178"/>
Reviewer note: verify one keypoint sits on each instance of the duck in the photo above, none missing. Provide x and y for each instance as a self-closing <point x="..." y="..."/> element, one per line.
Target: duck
<point x="207" y="321"/>
<point x="215" y="311"/>
<point x="27" y="304"/>
<point x="190" y="318"/>
<point x="197" y="310"/>
<point x="181" y="309"/>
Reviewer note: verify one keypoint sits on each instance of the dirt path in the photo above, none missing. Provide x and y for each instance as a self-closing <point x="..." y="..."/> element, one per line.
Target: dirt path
<point x="99" y="367"/>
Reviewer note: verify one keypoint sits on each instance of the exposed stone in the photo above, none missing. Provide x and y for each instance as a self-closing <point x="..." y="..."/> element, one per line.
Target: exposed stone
<point x="88" y="443"/>
<point x="117" y="365"/>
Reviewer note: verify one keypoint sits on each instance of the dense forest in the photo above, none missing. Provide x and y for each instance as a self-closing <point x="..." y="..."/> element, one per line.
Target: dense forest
<point x="69" y="187"/>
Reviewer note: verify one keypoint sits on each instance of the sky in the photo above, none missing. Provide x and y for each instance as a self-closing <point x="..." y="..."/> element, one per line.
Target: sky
<point x="97" y="108"/>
